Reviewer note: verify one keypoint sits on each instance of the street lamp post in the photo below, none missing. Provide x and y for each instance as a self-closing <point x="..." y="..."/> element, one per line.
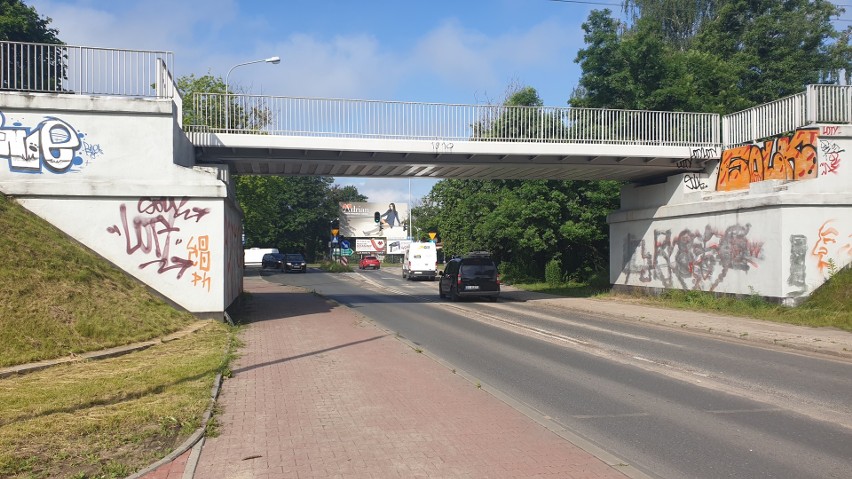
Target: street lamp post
<point x="273" y="60"/>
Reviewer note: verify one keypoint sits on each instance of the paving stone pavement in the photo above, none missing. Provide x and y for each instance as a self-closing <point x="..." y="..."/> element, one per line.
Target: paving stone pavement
<point x="320" y="393"/>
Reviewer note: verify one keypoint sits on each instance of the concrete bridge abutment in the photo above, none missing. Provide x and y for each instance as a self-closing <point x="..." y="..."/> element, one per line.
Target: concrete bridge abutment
<point x="117" y="175"/>
<point x="772" y="219"/>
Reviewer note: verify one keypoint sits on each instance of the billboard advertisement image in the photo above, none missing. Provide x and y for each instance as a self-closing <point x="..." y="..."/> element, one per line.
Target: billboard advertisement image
<point x="370" y="246"/>
<point x="358" y="219"/>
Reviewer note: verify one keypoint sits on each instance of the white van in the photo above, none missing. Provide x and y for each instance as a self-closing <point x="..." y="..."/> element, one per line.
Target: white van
<point x="254" y="256"/>
<point x="420" y="261"/>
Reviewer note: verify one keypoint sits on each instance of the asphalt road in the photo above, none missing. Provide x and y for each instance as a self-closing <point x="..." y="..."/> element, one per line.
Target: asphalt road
<point x="674" y="404"/>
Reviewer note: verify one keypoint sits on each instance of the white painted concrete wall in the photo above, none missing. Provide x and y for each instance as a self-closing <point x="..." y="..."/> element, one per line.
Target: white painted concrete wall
<point x="778" y="238"/>
<point x="107" y="172"/>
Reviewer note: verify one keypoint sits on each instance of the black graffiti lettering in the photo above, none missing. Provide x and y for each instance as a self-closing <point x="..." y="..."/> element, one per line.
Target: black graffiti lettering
<point x="693" y="182"/>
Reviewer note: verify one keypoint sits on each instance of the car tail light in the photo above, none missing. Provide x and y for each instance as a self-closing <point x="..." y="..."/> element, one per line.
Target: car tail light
<point x="498" y="278"/>
<point x="458" y="280"/>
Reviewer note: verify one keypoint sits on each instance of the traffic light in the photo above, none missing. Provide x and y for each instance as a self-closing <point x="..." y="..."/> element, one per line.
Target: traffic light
<point x="377" y="217"/>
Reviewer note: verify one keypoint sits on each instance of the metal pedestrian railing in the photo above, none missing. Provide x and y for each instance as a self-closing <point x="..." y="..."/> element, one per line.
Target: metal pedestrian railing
<point x="817" y="104"/>
<point x="50" y="68"/>
<point x="320" y="117"/>
<point x="67" y="69"/>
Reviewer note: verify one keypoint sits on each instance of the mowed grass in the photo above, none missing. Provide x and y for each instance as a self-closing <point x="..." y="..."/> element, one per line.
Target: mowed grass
<point x="828" y="306"/>
<point x="98" y="418"/>
<point x="111" y="417"/>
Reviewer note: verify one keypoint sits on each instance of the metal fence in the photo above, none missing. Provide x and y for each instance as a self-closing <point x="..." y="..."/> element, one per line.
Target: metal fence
<point x="817" y="104"/>
<point x="38" y="67"/>
<point x="49" y="68"/>
<point x="316" y="117"/>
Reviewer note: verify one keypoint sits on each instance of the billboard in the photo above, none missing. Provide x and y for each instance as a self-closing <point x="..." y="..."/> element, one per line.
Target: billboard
<point x="372" y="245"/>
<point x="357" y="220"/>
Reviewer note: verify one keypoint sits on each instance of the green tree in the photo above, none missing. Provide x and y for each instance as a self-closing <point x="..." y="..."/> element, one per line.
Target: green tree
<point x="204" y="105"/>
<point x="524" y="223"/>
<point x="29" y="67"/>
<point x="189" y="86"/>
<point x="712" y="56"/>
<point x="777" y="47"/>
<point x="288" y="213"/>
<point x="21" y="23"/>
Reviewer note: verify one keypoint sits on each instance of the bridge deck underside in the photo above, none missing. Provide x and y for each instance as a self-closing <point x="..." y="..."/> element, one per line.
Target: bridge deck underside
<point x="465" y="160"/>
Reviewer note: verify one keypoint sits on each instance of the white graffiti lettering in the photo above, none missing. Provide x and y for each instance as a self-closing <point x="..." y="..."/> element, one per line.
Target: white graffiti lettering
<point x="52" y="144"/>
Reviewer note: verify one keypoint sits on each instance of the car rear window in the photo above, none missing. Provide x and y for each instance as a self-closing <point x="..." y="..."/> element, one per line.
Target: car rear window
<point x="478" y="271"/>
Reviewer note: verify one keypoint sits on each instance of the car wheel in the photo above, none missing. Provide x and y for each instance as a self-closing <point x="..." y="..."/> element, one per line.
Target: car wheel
<point x="441" y="292"/>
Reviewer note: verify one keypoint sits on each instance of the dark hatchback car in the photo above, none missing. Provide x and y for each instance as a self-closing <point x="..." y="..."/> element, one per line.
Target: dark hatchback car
<point x="272" y="261"/>
<point x="294" y="263"/>
<point x="472" y="275"/>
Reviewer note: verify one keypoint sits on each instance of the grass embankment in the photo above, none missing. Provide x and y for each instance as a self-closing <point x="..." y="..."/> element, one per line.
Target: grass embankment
<point x="91" y="419"/>
<point x="828" y="306"/>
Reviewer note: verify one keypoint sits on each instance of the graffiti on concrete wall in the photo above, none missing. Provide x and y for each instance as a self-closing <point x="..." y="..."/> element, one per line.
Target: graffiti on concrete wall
<point x="798" y="251"/>
<point x="199" y="253"/>
<point x="52" y="145"/>
<point x="153" y="231"/>
<point x="830" y="161"/>
<point x="833" y="247"/>
<point x="786" y="158"/>
<point x="692" y="259"/>
<point x="693" y="182"/>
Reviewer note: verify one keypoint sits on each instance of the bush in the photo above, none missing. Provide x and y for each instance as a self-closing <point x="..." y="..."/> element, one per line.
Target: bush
<point x="553" y="272"/>
<point x="515" y="272"/>
<point x="335" y="267"/>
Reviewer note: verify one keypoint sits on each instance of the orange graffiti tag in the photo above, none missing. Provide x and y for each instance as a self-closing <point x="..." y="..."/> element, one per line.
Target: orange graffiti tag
<point x="786" y="158"/>
<point x="831" y="245"/>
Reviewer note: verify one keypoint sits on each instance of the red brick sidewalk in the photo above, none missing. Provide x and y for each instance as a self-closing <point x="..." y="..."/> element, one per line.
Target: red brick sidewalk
<point x="319" y="393"/>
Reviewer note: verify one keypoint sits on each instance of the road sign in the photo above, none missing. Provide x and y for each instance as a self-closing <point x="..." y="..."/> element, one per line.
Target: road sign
<point x="344" y="261"/>
<point x="346" y="251"/>
<point x="345" y="244"/>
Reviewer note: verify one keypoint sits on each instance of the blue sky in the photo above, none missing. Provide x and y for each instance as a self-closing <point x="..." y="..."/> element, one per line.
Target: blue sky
<point x="448" y="51"/>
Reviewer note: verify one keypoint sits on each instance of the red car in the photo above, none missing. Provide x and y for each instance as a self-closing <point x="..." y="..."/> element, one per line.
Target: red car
<point x="369" y="262"/>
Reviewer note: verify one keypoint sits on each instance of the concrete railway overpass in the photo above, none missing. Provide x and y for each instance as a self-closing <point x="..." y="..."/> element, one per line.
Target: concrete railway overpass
<point x="758" y="201"/>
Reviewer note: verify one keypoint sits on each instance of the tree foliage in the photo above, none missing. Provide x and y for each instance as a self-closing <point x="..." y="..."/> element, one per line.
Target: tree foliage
<point x="188" y="86"/>
<point x="29" y="67"/>
<point x="290" y="213"/>
<point x="524" y="223"/>
<point x="711" y="56"/>
<point x="21" y="23"/>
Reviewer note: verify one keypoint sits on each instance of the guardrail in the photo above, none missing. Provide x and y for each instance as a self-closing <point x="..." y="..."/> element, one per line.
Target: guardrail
<point x="50" y="68"/>
<point x="817" y="104"/>
<point x="317" y="117"/>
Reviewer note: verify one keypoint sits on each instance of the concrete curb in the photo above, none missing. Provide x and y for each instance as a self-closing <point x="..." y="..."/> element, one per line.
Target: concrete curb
<point x="196" y="437"/>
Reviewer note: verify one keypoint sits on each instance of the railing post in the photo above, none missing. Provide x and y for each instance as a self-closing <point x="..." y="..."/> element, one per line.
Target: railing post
<point x="810" y="104"/>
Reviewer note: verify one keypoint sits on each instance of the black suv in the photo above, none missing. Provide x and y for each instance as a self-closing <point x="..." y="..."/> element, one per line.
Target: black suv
<point x="472" y="275"/>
